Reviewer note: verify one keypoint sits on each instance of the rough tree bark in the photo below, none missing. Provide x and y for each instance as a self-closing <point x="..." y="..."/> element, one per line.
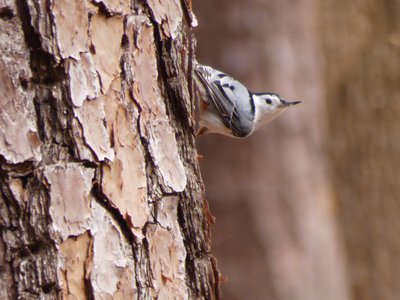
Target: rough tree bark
<point x="100" y="192"/>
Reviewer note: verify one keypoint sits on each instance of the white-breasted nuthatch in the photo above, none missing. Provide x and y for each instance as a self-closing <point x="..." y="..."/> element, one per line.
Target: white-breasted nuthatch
<point x="229" y="108"/>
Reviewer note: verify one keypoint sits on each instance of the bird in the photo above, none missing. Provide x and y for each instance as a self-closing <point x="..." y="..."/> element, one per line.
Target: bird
<point x="227" y="107"/>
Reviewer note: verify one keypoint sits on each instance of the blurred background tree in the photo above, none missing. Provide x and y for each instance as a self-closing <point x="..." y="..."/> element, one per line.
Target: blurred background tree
<point x="308" y="207"/>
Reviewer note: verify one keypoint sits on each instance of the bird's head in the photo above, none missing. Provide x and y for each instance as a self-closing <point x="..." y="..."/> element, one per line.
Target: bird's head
<point x="269" y="106"/>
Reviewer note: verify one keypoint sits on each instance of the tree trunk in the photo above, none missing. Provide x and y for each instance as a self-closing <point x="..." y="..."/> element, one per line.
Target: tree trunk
<point x="101" y="195"/>
<point x="362" y="43"/>
<point x="271" y="194"/>
<point x="308" y="208"/>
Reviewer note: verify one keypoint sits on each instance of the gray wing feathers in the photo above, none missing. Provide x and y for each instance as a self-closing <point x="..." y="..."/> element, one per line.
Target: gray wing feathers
<point x="231" y="99"/>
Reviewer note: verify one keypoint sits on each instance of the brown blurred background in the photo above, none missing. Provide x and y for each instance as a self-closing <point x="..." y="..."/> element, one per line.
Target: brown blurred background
<point x="309" y="206"/>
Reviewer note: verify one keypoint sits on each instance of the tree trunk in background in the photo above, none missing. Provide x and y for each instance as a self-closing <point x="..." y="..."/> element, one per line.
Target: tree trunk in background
<point x="362" y="47"/>
<point x="334" y="160"/>
<point x="275" y="233"/>
<point x="101" y="196"/>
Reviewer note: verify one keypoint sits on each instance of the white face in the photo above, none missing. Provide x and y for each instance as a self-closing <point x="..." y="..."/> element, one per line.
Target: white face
<point x="269" y="106"/>
<point x="271" y="101"/>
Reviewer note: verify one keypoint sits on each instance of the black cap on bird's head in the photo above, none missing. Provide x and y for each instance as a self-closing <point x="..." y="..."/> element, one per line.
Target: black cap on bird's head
<point x="274" y="100"/>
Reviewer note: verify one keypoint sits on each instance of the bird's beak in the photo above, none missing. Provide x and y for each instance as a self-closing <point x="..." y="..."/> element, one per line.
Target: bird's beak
<point x="288" y="103"/>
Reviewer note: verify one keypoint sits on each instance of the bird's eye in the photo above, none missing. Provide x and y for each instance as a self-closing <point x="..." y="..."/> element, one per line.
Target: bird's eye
<point x="268" y="101"/>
